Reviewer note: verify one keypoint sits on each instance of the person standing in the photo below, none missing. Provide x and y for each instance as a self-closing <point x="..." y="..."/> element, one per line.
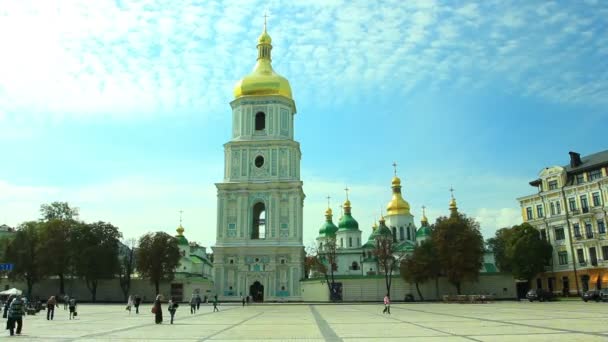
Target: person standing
<point x="198" y="301"/>
<point x="50" y="308"/>
<point x="66" y="299"/>
<point x="15" y="315"/>
<point x="172" y="306"/>
<point x="243" y="299"/>
<point x="247" y="299"/>
<point x="157" y="310"/>
<point x="136" y="302"/>
<point x="7" y="305"/>
<point x="192" y="304"/>
<point x="129" y="304"/>
<point x="387" y="305"/>
<point x="72" y="308"/>
<point x="215" y="304"/>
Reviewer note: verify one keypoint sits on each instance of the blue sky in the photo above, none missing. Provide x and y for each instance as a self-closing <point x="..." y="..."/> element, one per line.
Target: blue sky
<point x="122" y="107"/>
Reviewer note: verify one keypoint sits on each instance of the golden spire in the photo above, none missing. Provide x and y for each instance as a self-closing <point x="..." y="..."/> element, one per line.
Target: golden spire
<point x="424" y="221"/>
<point x="397" y="205"/>
<point x="347" y="202"/>
<point x="453" y="207"/>
<point x="328" y="212"/>
<point x="180" y="229"/>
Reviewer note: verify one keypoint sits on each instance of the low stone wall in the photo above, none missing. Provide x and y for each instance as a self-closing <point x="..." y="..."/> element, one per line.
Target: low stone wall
<point x="373" y="288"/>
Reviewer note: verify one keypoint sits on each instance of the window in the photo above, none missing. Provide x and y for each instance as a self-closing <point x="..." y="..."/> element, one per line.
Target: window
<point x="580" y="256"/>
<point x="596" y="199"/>
<point x="562" y="257"/>
<point x="354" y="266"/>
<point x="601" y="227"/>
<point x="577" y="230"/>
<point x="258" y="230"/>
<point x="260" y="121"/>
<point x="394" y="233"/>
<point x="552" y="208"/>
<point x="350" y="242"/>
<point x="259" y="161"/>
<point x="580" y="179"/>
<point x="595" y="174"/>
<point x="593" y="256"/>
<point x="358" y="242"/>
<point x="402" y="234"/>
<point x="553" y="185"/>
<point x="605" y="252"/>
<point x="559" y="234"/>
<point x="539" y="283"/>
<point x="558" y="207"/>
<point x="539" y="210"/>
<point x="584" y="204"/>
<point x="529" y="213"/>
<point x="572" y="203"/>
<point x="543" y="234"/>
<point x="589" y="230"/>
<point x="341" y="242"/>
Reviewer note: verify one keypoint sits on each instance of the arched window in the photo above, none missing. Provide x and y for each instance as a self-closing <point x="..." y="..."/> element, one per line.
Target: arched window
<point x="354" y="266"/>
<point x="341" y="242"/>
<point x="394" y="233"/>
<point x="260" y="121"/>
<point x="258" y="229"/>
<point x="350" y="242"/>
<point x="402" y="234"/>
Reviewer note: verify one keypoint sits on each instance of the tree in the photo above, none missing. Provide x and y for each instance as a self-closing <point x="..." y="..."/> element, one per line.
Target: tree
<point x="157" y="257"/>
<point x="498" y="245"/>
<point x="58" y="211"/>
<point x="388" y="254"/>
<point x="324" y="260"/>
<point x="127" y="265"/>
<point x="527" y="252"/>
<point x="55" y="247"/>
<point x="460" y="248"/>
<point x="22" y="251"/>
<point x="422" y="266"/>
<point x="95" y="247"/>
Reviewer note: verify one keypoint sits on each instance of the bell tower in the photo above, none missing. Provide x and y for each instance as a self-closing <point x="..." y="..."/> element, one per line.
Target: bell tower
<point x="259" y="249"/>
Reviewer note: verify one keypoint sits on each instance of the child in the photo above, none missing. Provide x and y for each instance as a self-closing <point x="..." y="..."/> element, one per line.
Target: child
<point x="172" y="307"/>
<point x="72" y="307"/>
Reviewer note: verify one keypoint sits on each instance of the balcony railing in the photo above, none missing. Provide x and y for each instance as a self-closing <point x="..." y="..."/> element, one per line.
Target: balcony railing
<point x="593" y="262"/>
<point x="582" y="263"/>
<point x="578" y="237"/>
<point x="589" y="235"/>
<point x="585" y="209"/>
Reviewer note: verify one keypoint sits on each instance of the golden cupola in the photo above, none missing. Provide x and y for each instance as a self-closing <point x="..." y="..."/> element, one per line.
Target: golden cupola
<point x="263" y="80"/>
<point x="397" y="205"/>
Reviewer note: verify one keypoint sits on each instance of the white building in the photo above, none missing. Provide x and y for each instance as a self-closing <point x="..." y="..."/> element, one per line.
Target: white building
<point x="259" y="249"/>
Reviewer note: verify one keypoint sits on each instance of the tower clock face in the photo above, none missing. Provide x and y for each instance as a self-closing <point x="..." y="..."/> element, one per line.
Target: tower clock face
<point x="259" y="161"/>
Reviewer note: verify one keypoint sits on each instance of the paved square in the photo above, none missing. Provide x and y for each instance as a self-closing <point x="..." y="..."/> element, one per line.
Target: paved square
<point x="502" y="321"/>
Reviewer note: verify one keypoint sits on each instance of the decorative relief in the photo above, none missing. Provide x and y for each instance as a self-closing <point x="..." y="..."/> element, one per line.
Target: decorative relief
<point x="274" y="162"/>
<point x="283" y="162"/>
<point x="243" y="163"/>
<point x="234" y="170"/>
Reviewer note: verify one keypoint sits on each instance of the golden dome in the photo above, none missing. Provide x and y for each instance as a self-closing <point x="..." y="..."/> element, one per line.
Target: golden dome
<point x="347" y="204"/>
<point x="328" y="212"/>
<point x="263" y="80"/>
<point x="397" y="205"/>
<point x="180" y="230"/>
<point x="375" y="226"/>
<point x="453" y="203"/>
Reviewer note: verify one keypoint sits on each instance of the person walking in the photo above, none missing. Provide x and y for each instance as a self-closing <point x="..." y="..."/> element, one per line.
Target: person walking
<point x="6" y="306"/>
<point x="247" y="299"/>
<point x="387" y="305"/>
<point x="129" y="304"/>
<point x="192" y="304"/>
<point x="157" y="310"/>
<point x="136" y="302"/>
<point x="198" y="301"/>
<point x="172" y="306"/>
<point x="72" y="308"/>
<point x="66" y="299"/>
<point x="50" y="308"/>
<point x="215" y="303"/>
<point x="15" y="315"/>
<point x="243" y="299"/>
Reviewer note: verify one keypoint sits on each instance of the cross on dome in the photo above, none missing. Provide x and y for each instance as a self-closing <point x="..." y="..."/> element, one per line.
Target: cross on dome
<point x="395" y="168"/>
<point x="346" y="190"/>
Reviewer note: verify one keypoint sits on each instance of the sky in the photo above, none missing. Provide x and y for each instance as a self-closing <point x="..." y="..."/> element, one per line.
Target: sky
<point x="121" y="108"/>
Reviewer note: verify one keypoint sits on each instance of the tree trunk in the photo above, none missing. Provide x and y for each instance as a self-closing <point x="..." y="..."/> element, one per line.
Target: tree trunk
<point x="94" y="291"/>
<point x="30" y="287"/>
<point x="157" y="287"/>
<point x="419" y="293"/>
<point x="437" y="287"/>
<point x="457" y="284"/>
<point x="61" y="284"/>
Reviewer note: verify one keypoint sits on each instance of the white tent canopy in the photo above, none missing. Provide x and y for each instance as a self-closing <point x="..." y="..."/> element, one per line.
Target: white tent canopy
<point x="12" y="291"/>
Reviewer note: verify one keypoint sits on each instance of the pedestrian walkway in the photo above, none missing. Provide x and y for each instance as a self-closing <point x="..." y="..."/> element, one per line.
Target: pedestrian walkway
<point x="502" y="321"/>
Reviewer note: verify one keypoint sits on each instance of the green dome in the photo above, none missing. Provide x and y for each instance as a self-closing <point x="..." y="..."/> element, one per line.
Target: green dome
<point x="328" y="229"/>
<point x="383" y="229"/>
<point x="347" y="222"/>
<point x="423" y="232"/>
<point x="181" y="240"/>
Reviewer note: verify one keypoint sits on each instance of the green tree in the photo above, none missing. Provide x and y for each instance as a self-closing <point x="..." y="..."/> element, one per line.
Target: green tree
<point x="95" y="247"/>
<point x="421" y="266"/>
<point x="127" y="266"/>
<point x="460" y="248"/>
<point x="498" y="245"/>
<point x="157" y="257"/>
<point x="58" y="211"/>
<point x="22" y="251"/>
<point x="55" y="247"/>
<point x="387" y="251"/>
<point x="324" y="261"/>
<point x="527" y="252"/>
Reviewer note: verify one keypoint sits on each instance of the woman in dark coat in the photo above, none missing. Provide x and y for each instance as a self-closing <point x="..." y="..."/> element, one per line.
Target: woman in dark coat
<point x="158" y="312"/>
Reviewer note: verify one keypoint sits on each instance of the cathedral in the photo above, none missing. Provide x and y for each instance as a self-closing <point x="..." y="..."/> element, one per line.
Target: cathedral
<point x="259" y="250"/>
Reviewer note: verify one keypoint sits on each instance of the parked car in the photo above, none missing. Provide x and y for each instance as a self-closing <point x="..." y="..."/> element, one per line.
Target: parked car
<point x="539" y="295"/>
<point x="604" y="295"/>
<point x="591" y="295"/>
